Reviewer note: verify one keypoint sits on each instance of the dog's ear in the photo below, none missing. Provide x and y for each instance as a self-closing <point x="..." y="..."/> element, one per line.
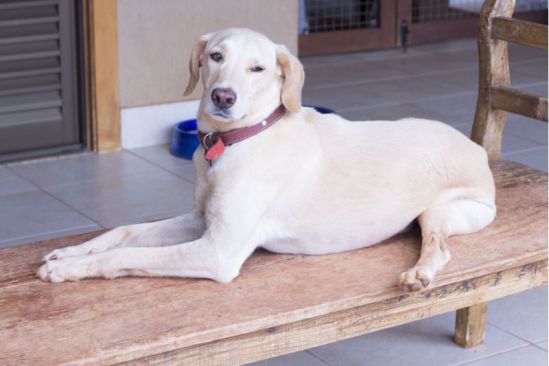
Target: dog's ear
<point x="294" y="77"/>
<point x="194" y="62"/>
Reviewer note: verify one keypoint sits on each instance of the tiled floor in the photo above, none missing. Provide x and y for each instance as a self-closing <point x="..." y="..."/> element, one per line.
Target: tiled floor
<point x="79" y="193"/>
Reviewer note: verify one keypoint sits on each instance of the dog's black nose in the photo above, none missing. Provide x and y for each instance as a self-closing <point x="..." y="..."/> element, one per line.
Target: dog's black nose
<point x="223" y="98"/>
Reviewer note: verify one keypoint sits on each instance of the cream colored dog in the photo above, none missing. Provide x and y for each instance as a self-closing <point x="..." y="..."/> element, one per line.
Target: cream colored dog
<point x="310" y="184"/>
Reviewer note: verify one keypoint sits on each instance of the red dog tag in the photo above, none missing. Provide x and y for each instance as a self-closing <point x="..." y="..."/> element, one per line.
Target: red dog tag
<point x="216" y="150"/>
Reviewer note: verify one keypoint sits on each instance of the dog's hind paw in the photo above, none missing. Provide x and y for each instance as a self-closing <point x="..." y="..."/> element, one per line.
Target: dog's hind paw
<point x="415" y="279"/>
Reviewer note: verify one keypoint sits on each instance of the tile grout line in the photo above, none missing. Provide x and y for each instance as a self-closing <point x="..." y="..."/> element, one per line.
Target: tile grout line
<point x="76" y="155"/>
<point x="530" y="149"/>
<point x="318" y="358"/>
<point x="434" y="98"/>
<point x="493" y="355"/>
<point x="407" y="75"/>
<point x="431" y="98"/>
<point x="43" y="190"/>
<point x="15" y="241"/>
<point x="539" y="347"/>
<point x="362" y="59"/>
<point x="416" y="54"/>
<point x="159" y="166"/>
<point x="531" y="343"/>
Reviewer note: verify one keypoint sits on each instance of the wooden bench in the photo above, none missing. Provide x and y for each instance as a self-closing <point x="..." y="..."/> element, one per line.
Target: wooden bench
<point x="280" y="303"/>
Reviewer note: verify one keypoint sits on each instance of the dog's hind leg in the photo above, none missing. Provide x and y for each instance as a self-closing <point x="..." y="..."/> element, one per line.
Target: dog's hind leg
<point x="461" y="216"/>
<point x="171" y="231"/>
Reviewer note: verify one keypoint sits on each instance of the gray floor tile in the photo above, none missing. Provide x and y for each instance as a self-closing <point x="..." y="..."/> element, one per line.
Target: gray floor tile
<point x="344" y="58"/>
<point x="538" y="89"/>
<point x="527" y="128"/>
<point x="393" y="53"/>
<point x="464" y="128"/>
<point x="10" y="183"/>
<point x="160" y="155"/>
<point x="454" y="109"/>
<point x="524" y="314"/>
<point x="427" y="64"/>
<point x="186" y="172"/>
<point x="410" y="89"/>
<point x="426" y="342"/>
<point x="528" y="72"/>
<point x="513" y="144"/>
<point x="519" y="52"/>
<point x="388" y="112"/>
<point x="530" y="356"/>
<point x="468" y="54"/>
<point x="345" y="73"/>
<point x="81" y="167"/>
<point x="129" y="199"/>
<point x="298" y="358"/>
<point x="535" y="158"/>
<point x="542" y="344"/>
<point x="342" y="97"/>
<point x="35" y="215"/>
<point x="49" y="235"/>
<point x="326" y="60"/>
<point x="453" y="45"/>
<point x="465" y="80"/>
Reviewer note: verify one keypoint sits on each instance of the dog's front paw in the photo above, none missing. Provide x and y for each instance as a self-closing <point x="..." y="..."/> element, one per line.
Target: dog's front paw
<point x="68" y="252"/>
<point x="416" y="279"/>
<point x="63" y="270"/>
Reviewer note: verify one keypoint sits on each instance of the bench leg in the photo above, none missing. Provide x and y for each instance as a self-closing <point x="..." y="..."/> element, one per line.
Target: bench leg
<point x="471" y="325"/>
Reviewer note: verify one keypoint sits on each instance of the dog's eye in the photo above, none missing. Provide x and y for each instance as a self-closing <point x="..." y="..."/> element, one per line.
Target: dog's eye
<point x="216" y="56"/>
<point x="257" y="69"/>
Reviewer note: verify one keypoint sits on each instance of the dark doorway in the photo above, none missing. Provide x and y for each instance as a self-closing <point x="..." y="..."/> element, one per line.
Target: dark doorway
<point x="333" y="26"/>
<point x="39" y="78"/>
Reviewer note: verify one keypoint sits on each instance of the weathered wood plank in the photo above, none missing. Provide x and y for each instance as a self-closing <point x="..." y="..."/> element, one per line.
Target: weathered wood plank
<point x="267" y="310"/>
<point x="520" y="31"/>
<point x="345" y="324"/>
<point x="493" y="70"/>
<point x="102" y="63"/>
<point x="471" y="325"/>
<point x="519" y="102"/>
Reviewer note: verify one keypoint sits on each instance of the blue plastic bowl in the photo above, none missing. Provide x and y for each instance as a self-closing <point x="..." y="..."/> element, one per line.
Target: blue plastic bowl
<point x="322" y="110"/>
<point x="184" y="139"/>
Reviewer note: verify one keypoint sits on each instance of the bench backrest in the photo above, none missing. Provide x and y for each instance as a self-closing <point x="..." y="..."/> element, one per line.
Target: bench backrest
<point x="495" y="97"/>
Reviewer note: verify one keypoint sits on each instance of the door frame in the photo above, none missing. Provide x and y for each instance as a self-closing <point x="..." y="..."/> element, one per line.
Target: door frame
<point x="354" y="40"/>
<point x="101" y="89"/>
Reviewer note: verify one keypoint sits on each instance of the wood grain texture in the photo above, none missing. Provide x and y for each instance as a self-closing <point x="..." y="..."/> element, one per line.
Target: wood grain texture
<point x="493" y="70"/>
<point x="471" y="325"/>
<point x="102" y="70"/>
<point x="279" y="303"/>
<point x="519" y="102"/>
<point x="495" y="98"/>
<point x="520" y="31"/>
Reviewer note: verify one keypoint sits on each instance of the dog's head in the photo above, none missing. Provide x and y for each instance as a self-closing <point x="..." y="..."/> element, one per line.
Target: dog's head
<point x="244" y="75"/>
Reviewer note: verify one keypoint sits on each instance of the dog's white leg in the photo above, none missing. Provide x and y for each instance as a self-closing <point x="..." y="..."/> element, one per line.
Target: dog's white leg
<point x="180" y="229"/>
<point x="200" y="258"/>
<point x="231" y="236"/>
<point x="172" y="231"/>
<point x="437" y="224"/>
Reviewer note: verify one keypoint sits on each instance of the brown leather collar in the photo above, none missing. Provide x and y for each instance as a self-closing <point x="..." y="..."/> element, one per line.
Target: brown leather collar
<point x="214" y="142"/>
